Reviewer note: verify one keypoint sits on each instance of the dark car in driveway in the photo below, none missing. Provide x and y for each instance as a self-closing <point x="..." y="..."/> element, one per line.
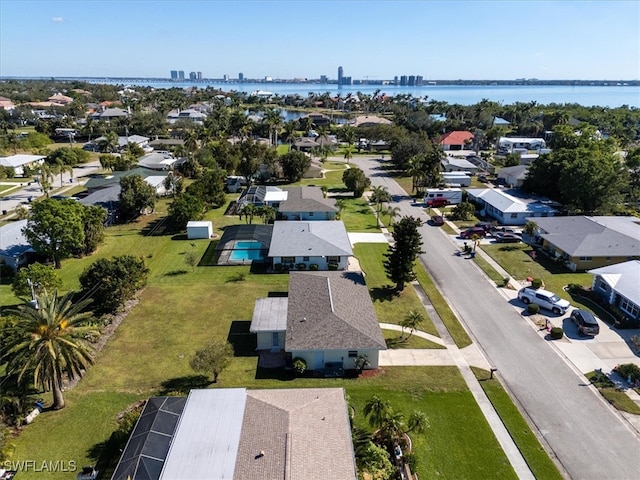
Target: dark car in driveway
<point x="585" y="321"/>
<point x="470" y="232"/>
<point x="437" y="220"/>
<point x="506" y="237"/>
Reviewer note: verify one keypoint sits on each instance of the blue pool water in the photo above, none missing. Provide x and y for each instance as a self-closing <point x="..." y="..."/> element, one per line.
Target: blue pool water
<point x="247" y="251"/>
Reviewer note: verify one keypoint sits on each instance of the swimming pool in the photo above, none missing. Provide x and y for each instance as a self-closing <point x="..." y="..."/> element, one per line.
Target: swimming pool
<point x="243" y="251"/>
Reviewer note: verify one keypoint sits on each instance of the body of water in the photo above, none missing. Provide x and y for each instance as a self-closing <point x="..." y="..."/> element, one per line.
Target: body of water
<point x="604" y="96"/>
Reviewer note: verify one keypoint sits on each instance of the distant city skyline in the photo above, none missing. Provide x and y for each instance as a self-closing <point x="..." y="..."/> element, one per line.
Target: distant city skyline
<point x="555" y="40"/>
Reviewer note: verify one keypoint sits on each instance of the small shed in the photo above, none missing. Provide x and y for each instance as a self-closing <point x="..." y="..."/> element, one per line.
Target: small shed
<point x="199" y="230"/>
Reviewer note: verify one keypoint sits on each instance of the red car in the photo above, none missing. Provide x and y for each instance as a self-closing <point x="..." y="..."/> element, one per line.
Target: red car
<point x="470" y="232"/>
<point x="437" y="220"/>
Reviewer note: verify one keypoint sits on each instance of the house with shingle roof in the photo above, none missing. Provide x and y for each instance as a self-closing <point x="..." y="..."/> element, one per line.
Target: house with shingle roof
<point x="242" y="434"/>
<point x="327" y="318"/>
<point x="15" y="249"/>
<point x="323" y="243"/>
<point x="590" y="242"/>
<point x="619" y="285"/>
<point x="307" y="203"/>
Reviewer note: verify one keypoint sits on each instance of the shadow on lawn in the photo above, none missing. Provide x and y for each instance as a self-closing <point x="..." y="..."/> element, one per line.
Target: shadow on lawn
<point x="243" y="341"/>
<point x="383" y="294"/>
<point x="275" y="374"/>
<point x="183" y="385"/>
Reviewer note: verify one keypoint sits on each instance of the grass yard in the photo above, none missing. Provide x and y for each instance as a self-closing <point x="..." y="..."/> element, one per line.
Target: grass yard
<point x="358" y="216"/>
<point x="534" y="454"/>
<point x="396" y="340"/>
<point x="390" y="308"/>
<point x="615" y="397"/>
<point x="488" y="269"/>
<point x="515" y="259"/>
<point x="6" y="189"/>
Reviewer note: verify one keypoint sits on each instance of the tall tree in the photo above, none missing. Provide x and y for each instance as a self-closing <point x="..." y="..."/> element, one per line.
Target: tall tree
<point x="214" y="358"/>
<point x="135" y="196"/>
<point x="184" y="208"/>
<point x="35" y="279"/>
<point x="411" y="322"/>
<point x="356" y="181"/>
<point x="403" y="253"/>
<point x="93" y="219"/>
<point x="56" y="228"/>
<point x="294" y="165"/>
<point x="51" y="343"/>
<point x="376" y="410"/>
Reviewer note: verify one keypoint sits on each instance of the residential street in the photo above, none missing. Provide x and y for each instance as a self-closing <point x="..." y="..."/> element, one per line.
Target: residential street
<point x="589" y="438"/>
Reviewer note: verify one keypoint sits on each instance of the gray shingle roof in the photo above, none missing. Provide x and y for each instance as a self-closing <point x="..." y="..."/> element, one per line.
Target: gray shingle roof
<point x="581" y="236"/>
<point x="304" y="434"/>
<point x="624" y="278"/>
<point x="313" y="239"/>
<point x="307" y="199"/>
<point x="13" y="242"/>
<point x="331" y="311"/>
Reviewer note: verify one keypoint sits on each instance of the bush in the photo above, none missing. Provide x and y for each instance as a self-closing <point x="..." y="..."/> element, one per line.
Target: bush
<point x="533" y="308"/>
<point x="333" y="266"/>
<point x="313" y="267"/>
<point x="299" y="365"/>
<point x="277" y="267"/>
<point x="629" y="370"/>
<point x="556" y="333"/>
<point x="6" y="272"/>
<point x="301" y="266"/>
<point x="536" y="283"/>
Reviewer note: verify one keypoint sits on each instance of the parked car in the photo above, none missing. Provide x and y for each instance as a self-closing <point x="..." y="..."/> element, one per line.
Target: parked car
<point x="437" y="220"/>
<point x="506" y="237"/>
<point x="488" y="226"/>
<point x="586" y="322"/>
<point x="470" y="232"/>
<point x="545" y="299"/>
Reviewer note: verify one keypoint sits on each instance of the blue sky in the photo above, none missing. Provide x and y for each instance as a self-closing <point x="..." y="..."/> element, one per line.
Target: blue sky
<point x="372" y="39"/>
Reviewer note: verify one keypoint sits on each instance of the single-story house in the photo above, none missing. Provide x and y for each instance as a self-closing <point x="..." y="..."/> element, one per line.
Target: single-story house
<point x="511" y="143"/>
<point x="240" y="434"/>
<point x="513" y="176"/>
<point x="152" y="177"/>
<point x="7" y="104"/>
<point x="166" y="143"/>
<point x="456" y="140"/>
<point x="317" y="119"/>
<point x="510" y="207"/>
<point x="109" y="114"/>
<point x="501" y="122"/>
<point x="20" y="161"/>
<point x="188" y="115"/>
<point x="452" y="164"/>
<point x="370" y="121"/>
<point x="139" y="140"/>
<point x="619" y="285"/>
<point x="327" y="318"/>
<point x="14" y="246"/>
<point x="590" y="242"/>
<point x="158" y="161"/>
<point x="324" y="243"/>
<point x="305" y="144"/>
<point x="199" y="229"/>
<point x="260" y="195"/>
<point x="60" y="99"/>
<point x="307" y="203"/>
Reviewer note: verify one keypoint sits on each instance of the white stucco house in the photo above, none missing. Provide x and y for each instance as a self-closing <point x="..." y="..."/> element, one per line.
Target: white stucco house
<point x="323" y="243"/>
<point x="327" y="318"/>
<point x="14" y="246"/>
<point x="19" y="162"/>
<point x="619" y="285"/>
<point x="510" y="207"/>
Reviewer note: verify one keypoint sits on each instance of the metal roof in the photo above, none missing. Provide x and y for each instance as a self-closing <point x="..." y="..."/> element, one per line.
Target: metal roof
<point x="19" y="160"/>
<point x="504" y="201"/>
<point x="13" y="242"/>
<point x="313" y="239"/>
<point x="269" y="315"/>
<point x="206" y="441"/>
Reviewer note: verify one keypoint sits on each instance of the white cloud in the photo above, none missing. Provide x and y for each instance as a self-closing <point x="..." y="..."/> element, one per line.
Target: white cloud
<point x="57" y="19"/>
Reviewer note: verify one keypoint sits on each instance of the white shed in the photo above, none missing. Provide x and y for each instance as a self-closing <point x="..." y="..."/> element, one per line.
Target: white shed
<point x="199" y="230"/>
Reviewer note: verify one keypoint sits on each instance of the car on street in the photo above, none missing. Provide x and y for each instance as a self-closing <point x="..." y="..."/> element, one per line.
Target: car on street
<point x="473" y="231"/>
<point x="506" y="237"/>
<point x="545" y="299"/>
<point x="437" y="220"/>
<point x="586" y="322"/>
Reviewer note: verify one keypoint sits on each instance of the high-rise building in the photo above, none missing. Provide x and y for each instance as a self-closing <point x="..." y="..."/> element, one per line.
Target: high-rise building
<point x="241" y="77"/>
<point x="412" y="80"/>
<point x="323" y="79"/>
<point x="180" y="74"/>
<point x="419" y="80"/>
<point x="192" y="76"/>
<point x="403" y="80"/>
<point x="199" y="75"/>
<point x="174" y="74"/>
<point x="340" y="76"/>
<point x="225" y="77"/>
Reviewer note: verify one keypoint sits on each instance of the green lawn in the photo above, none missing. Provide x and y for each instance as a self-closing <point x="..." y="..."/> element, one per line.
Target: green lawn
<point x="515" y="259"/>
<point x="5" y="189"/>
<point x="390" y="307"/>
<point x="397" y="340"/>
<point x="534" y="454"/>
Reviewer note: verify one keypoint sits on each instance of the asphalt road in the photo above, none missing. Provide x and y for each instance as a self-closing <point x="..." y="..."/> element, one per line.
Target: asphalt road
<point x="589" y="439"/>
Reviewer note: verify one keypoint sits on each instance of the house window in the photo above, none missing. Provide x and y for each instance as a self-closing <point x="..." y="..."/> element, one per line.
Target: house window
<point x="585" y="259"/>
<point x="628" y="306"/>
<point x="288" y="259"/>
<point x="353" y="353"/>
<point x="305" y="259"/>
<point x="514" y="215"/>
<point x="311" y="214"/>
<point x="333" y="259"/>
<point x="602" y="285"/>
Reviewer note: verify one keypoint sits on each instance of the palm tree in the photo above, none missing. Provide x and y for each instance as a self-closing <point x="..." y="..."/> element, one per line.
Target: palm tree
<point x="412" y="321"/>
<point x="290" y="133"/>
<point x="341" y="204"/>
<point x="267" y="213"/>
<point x="61" y="168"/>
<point x="50" y="342"/>
<point x="47" y="173"/>
<point x="392" y="212"/>
<point x="416" y="170"/>
<point x="376" y="410"/>
<point x="348" y="153"/>
<point x="249" y="211"/>
<point x="379" y="195"/>
<point x="418" y="422"/>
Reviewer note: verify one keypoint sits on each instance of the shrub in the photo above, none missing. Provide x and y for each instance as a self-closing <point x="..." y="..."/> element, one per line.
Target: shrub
<point x="333" y="266"/>
<point x="313" y="266"/>
<point x="301" y="266"/>
<point x="556" y="333"/>
<point x="536" y="283"/>
<point x="277" y="267"/>
<point x="411" y="460"/>
<point x="299" y="365"/>
<point x="6" y="272"/>
<point x="629" y="370"/>
<point x="533" y="308"/>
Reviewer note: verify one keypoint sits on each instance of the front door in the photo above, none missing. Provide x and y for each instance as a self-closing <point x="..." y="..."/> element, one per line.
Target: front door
<point x="319" y="363"/>
<point x="275" y="341"/>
